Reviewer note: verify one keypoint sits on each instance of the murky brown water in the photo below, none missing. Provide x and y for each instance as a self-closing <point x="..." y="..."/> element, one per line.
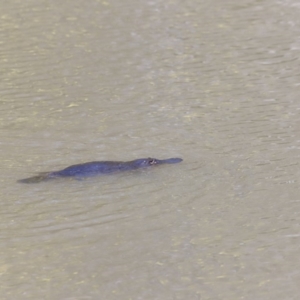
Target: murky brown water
<point x="214" y="82"/>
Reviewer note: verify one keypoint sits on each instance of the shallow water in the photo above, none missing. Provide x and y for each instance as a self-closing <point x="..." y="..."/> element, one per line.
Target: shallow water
<point x="216" y="83"/>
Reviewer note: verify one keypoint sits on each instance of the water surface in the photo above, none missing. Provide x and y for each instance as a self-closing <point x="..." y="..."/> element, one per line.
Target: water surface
<point x="214" y="82"/>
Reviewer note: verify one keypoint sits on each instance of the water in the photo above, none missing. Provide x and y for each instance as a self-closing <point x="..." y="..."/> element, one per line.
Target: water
<point x="216" y="83"/>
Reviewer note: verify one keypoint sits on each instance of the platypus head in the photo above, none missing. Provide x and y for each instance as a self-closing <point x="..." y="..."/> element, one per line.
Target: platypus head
<point x="147" y="162"/>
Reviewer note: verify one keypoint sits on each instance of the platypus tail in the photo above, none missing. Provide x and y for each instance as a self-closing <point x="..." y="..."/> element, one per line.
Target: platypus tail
<point x="38" y="178"/>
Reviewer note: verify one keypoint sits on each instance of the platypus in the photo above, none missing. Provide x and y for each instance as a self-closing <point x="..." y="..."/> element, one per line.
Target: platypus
<point x="95" y="168"/>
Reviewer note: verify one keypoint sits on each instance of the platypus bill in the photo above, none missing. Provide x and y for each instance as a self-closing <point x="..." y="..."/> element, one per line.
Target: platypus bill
<point x="95" y="168"/>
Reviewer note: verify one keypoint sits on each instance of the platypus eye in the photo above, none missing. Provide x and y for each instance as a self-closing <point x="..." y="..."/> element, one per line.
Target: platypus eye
<point x="151" y="161"/>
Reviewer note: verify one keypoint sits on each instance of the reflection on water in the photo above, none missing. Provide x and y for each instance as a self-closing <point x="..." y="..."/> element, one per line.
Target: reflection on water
<point x="215" y="83"/>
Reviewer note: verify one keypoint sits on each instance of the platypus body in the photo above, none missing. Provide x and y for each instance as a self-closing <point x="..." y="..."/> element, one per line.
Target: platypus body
<point x="95" y="168"/>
